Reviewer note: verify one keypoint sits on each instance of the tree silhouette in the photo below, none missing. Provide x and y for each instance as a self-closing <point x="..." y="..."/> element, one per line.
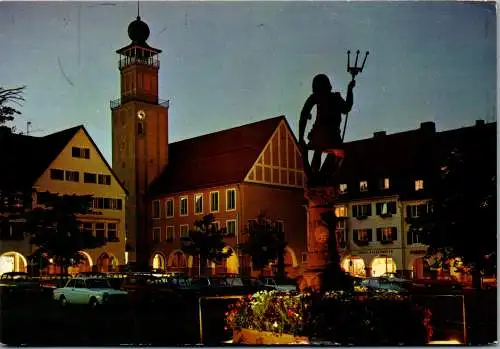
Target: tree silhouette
<point x="206" y="241"/>
<point x="9" y="96"/>
<point x="55" y="229"/>
<point x="265" y="243"/>
<point x="461" y="221"/>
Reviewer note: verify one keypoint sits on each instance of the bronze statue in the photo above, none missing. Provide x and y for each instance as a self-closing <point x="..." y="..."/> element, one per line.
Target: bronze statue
<point x="325" y="135"/>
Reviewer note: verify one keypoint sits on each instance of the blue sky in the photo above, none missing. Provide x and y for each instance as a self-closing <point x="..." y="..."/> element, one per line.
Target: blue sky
<point x="230" y="63"/>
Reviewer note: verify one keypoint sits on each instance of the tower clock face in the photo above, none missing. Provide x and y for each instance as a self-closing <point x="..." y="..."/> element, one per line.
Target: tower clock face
<point x="141" y="114"/>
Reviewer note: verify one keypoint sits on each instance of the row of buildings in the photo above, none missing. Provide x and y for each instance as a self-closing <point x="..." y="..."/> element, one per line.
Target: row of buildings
<point x="155" y="190"/>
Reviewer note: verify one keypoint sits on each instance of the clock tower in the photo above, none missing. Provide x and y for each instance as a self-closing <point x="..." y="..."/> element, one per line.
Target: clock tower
<point x="139" y="133"/>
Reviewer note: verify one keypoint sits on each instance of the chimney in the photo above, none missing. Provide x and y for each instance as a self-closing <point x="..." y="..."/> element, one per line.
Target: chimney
<point x="479" y="122"/>
<point x="428" y="126"/>
<point x="378" y="134"/>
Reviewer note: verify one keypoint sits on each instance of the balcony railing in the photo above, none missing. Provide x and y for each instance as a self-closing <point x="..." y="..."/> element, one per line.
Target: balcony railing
<point x="149" y="61"/>
<point x="115" y="103"/>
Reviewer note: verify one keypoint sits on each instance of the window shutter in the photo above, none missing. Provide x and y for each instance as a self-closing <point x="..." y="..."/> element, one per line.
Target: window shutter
<point x="378" y="208"/>
<point x="355" y="234"/>
<point x="369" y="232"/>
<point x="394" y="233"/>
<point x="392" y="207"/>
<point x="355" y="210"/>
<point x="379" y="234"/>
<point x="408" y="211"/>
<point x="369" y="210"/>
<point x="410" y="238"/>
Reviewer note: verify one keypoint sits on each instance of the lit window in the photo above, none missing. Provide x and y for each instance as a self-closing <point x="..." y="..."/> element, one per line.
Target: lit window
<point x="341" y="211"/>
<point x="343" y="188"/>
<point x="385" y="183"/>
<point x="231" y="227"/>
<point x="214" y="201"/>
<point x="386" y="234"/>
<point x="183" y="206"/>
<point x="198" y="203"/>
<point x="170" y="233"/>
<point x="184" y="230"/>
<point x="363" y="186"/>
<point x="363" y="235"/>
<point x="419" y="184"/>
<point x="169" y="208"/>
<point x="156" y="209"/>
<point x="230" y="199"/>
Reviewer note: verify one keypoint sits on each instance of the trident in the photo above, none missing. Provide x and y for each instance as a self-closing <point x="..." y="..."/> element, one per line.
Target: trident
<point x="354" y="71"/>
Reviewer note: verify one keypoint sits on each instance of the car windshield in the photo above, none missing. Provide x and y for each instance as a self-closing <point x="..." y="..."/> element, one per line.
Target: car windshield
<point x="97" y="283"/>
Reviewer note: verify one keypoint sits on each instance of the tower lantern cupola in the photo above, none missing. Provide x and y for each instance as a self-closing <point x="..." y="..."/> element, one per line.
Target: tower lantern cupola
<point x="138" y="64"/>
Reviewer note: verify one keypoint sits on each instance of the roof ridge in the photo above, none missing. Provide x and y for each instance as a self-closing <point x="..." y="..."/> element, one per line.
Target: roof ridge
<point x="230" y="129"/>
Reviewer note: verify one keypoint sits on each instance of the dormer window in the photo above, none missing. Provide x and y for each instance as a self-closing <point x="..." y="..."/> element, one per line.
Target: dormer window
<point x="419" y="184"/>
<point x="385" y="183"/>
<point x="343" y="188"/>
<point x="363" y="186"/>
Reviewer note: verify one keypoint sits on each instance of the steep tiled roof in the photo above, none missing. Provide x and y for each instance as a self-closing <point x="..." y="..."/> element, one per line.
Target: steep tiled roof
<point x="403" y="157"/>
<point x="214" y="159"/>
<point x="25" y="158"/>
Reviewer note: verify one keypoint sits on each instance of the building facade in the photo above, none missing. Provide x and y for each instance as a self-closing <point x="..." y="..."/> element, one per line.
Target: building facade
<point x="384" y="183"/>
<point x="234" y="174"/>
<point x="65" y="162"/>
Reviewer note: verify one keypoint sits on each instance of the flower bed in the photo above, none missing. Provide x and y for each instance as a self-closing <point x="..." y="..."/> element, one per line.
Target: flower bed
<point x="347" y="318"/>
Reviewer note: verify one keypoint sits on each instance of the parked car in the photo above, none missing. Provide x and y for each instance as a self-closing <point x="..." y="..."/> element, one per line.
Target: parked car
<point x="256" y="285"/>
<point x="147" y="289"/>
<point x="18" y="286"/>
<point x="378" y="283"/>
<point x="282" y="287"/>
<point x="91" y="291"/>
<point x="449" y="284"/>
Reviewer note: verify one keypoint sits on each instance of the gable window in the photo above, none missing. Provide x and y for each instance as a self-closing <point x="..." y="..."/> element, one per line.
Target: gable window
<point x="170" y="233"/>
<point x="214" y="201"/>
<point x="230" y="199"/>
<point x="385" y="209"/>
<point x="231" y="227"/>
<point x="341" y="211"/>
<point x="363" y="186"/>
<point x="89" y="177"/>
<point x="156" y="234"/>
<point x="184" y="230"/>
<point x="343" y="188"/>
<point x="419" y="184"/>
<point x="385" y="183"/>
<point x="387" y="234"/>
<point x="169" y="206"/>
<point x="77" y="152"/>
<point x="183" y="206"/>
<point x="361" y="211"/>
<point x="57" y="174"/>
<point x="198" y="203"/>
<point x="72" y="176"/>
<point x="156" y="209"/>
<point x="104" y="179"/>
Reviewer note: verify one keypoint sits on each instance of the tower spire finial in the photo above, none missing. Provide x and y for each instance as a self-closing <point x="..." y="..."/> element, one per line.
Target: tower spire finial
<point x="138" y="9"/>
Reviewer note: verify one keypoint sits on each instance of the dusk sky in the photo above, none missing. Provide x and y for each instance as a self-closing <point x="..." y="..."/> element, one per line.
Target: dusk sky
<point x="231" y="63"/>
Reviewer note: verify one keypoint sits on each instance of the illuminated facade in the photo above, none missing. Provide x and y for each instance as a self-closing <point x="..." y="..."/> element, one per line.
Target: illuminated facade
<point x="385" y="182"/>
<point x="66" y="162"/>
<point x="233" y="174"/>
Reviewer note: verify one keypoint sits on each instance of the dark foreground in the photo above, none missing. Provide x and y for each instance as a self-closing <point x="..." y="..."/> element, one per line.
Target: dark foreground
<point x="40" y="322"/>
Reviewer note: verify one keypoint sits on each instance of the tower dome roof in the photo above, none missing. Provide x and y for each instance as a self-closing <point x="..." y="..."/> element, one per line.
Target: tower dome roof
<point x="138" y="31"/>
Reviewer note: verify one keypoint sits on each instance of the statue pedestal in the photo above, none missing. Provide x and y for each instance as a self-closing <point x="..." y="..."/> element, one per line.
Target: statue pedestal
<point x="320" y="200"/>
